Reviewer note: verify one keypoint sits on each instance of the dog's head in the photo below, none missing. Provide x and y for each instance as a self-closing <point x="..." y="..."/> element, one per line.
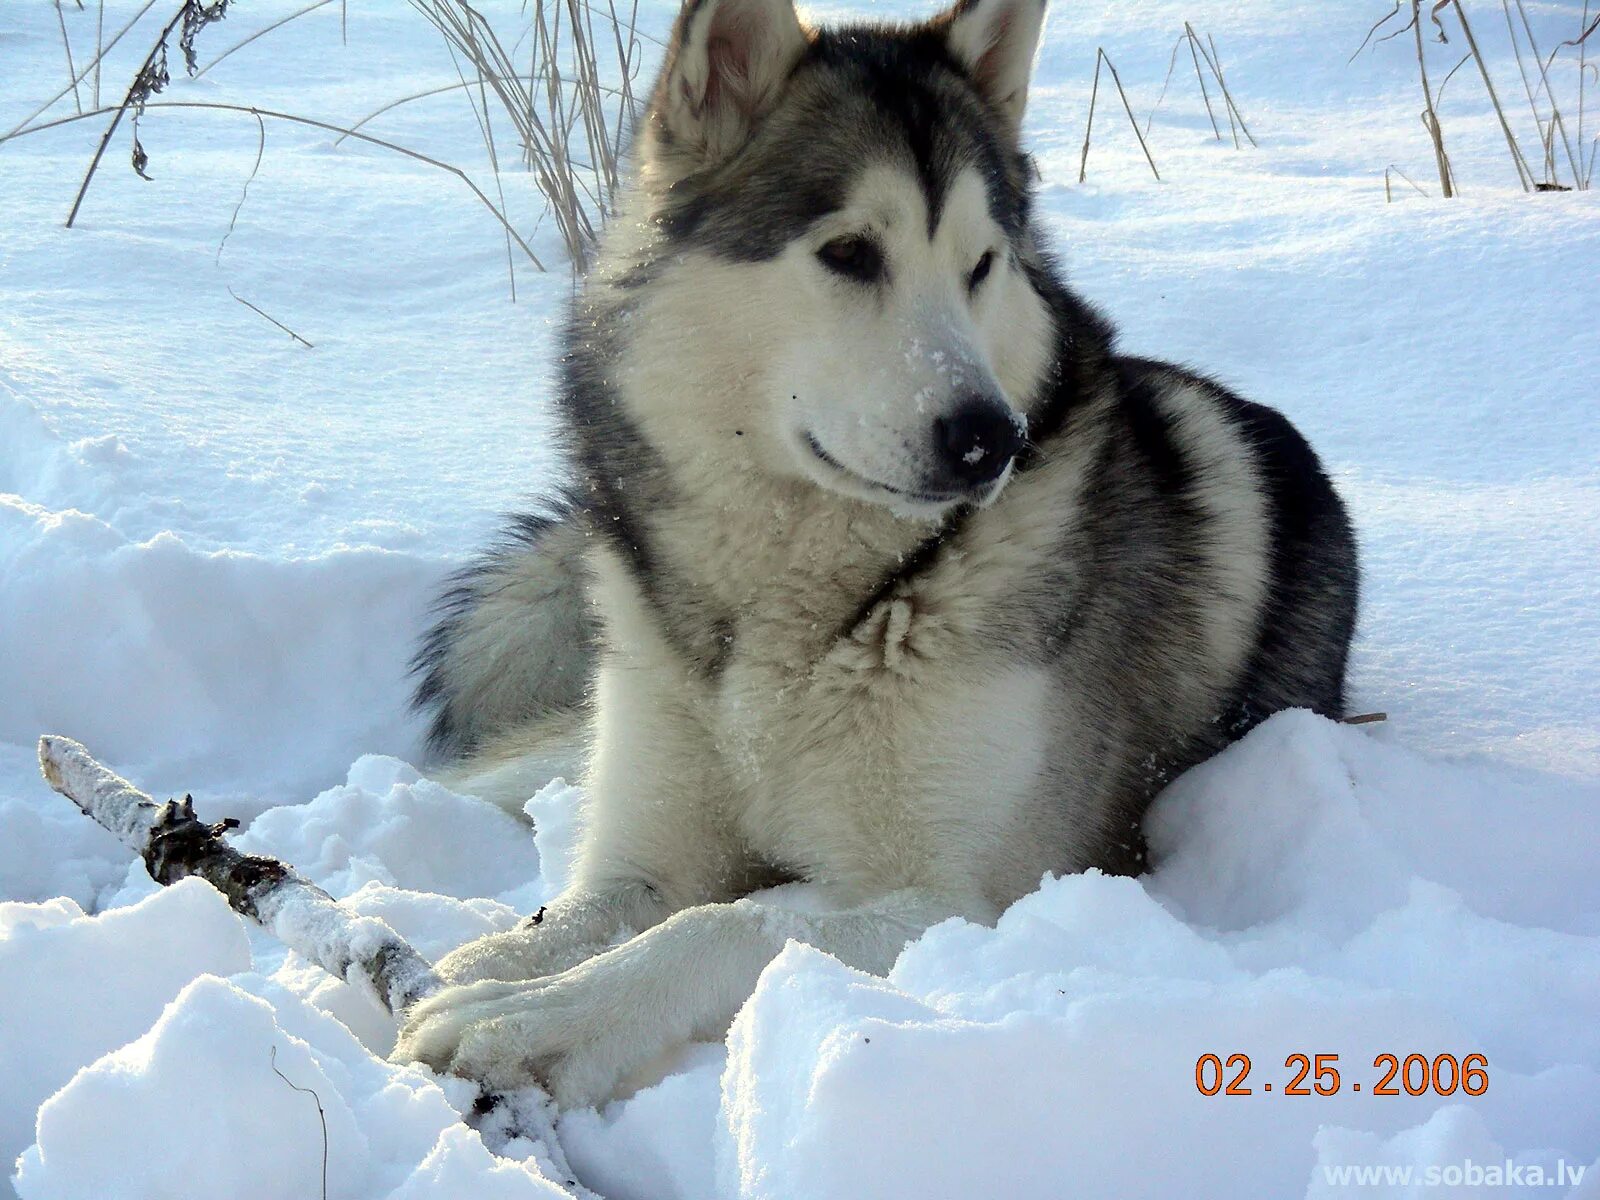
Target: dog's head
<point x="843" y="228"/>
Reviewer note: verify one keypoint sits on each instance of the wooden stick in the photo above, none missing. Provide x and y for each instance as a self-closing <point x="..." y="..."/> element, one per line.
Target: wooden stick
<point x="175" y="844"/>
<point x="1367" y="719"/>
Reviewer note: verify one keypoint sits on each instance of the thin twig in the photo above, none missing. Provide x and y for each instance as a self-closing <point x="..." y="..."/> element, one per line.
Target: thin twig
<point x="261" y="149"/>
<point x="321" y="1116"/>
<point x="269" y="317"/>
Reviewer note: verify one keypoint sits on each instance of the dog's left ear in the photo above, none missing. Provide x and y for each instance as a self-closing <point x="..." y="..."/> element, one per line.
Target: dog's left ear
<point x="726" y="62"/>
<point x="996" y="41"/>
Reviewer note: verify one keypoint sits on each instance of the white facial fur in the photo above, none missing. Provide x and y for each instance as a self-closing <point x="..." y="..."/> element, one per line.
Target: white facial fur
<point x="785" y="351"/>
<point x="873" y="365"/>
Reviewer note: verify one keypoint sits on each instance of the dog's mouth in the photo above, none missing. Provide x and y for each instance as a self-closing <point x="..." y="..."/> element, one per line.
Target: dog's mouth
<point x="903" y="495"/>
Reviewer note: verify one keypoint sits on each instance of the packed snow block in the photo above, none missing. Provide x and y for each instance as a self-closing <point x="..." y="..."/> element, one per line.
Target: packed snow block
<point x="459" y="1166"/>
<point x="73" y="987"/>
<point x="1324" y="826"/>
<point x="389" y="825"/>
<point x="206" y="1103"/>
<point x="841" y="1084"/>
<point x="657" y="1144"/>
<point x="1074" y="924"/>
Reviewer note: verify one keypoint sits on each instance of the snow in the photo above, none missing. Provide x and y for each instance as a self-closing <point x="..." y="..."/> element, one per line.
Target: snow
<point x="217" y="547"/>
<point x="75" y="987"/>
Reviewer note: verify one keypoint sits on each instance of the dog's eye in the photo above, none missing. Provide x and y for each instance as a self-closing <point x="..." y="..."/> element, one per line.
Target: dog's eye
<point x="981" y="271"/>
<point x="855" y="258"/>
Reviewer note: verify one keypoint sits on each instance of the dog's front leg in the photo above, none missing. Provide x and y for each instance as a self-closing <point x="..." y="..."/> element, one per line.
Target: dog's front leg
<point x="576" y="926"/>
<point x="584" y="1031"/>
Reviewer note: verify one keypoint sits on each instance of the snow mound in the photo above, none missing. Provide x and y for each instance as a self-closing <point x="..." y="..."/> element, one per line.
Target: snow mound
<point x="388" y="825"/>
<point x="73" y="987"/>
<point x="226" y="1087"/>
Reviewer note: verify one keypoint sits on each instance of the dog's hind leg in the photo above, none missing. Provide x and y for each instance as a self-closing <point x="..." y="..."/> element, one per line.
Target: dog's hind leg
<point x="511" y="766"/>
<point x="507" y="668"/>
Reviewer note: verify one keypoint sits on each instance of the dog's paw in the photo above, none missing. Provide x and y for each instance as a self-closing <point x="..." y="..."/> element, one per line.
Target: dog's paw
<point x="433" y="1027"/>
<point x="530" y="952"/>
<point x="568" y="1034"/>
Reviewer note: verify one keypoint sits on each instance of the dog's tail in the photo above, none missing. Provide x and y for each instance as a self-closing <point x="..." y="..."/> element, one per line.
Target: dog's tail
<point x="507" y="667"/>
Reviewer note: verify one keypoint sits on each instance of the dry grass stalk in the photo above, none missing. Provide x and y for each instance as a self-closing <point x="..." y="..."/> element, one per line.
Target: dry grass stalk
<point x="439" y="91"/>
<point x="1430" y="116"/>
<point x="100" y="53"/>
<point x="1524" y="173"/>
<point x="151" y="78"/>
<point x="1388" y="190"/>
<point x="571" y="125"/>
<point x="1083" y="166"/>
<point x="313" y="123"/>
<point x="66" y="45"/>
<point x="1583" y="86"/>
<point x="99" y="48"/>
<point x="1214" y="61"/>
<point x="1205" y="93"/>
<point x="1557" y="122"/>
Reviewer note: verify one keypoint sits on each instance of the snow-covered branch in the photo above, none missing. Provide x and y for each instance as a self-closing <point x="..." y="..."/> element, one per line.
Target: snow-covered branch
<point x="174" y="844"/>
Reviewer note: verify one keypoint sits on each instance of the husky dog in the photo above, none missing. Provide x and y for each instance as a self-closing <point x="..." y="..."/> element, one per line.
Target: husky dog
<point x="883" y="571"/>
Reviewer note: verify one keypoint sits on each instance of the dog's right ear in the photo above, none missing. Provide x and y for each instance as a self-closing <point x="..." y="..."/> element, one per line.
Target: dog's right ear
<point x="725" y="65"/>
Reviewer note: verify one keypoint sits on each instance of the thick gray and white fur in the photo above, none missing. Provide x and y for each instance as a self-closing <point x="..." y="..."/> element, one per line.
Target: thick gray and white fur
<point x="882" y="571"/>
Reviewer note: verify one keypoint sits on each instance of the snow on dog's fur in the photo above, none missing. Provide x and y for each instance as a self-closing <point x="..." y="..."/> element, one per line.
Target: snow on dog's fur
<point x="902" y="582"/>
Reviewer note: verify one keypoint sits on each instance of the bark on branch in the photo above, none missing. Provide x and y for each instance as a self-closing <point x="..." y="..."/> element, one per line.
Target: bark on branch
<point x="175" y="844"/>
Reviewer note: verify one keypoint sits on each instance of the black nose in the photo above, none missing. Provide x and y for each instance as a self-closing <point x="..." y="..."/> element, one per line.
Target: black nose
<point x="977" y="441"/>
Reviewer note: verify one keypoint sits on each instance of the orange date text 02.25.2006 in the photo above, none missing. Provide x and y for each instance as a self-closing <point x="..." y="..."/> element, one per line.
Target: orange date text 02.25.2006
<point x="1319" y="1075"/>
